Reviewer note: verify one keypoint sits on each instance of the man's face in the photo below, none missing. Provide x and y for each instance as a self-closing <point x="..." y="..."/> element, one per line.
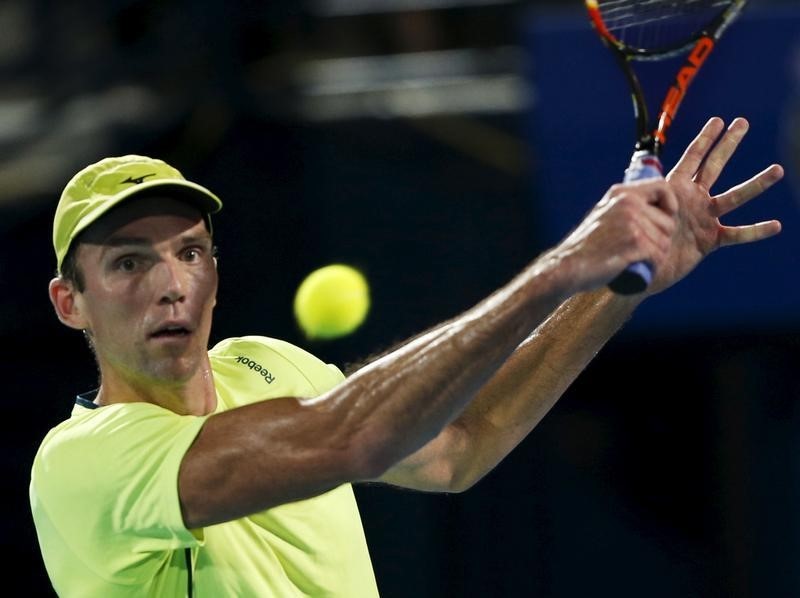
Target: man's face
<point x="150" y="289"/>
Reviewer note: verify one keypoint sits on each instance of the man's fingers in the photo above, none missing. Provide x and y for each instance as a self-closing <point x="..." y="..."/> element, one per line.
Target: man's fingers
<point x="718" y="157"/>
<point x="741" y="194"/>
<point x="696" y="152"/>
<point x="651" y="207"/>
<point x="737" y="235"/>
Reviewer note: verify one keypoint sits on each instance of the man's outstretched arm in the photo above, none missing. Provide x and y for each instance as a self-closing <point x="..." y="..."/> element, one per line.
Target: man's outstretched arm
<point x="282" y="450"/>
<point x="527" y="386"/>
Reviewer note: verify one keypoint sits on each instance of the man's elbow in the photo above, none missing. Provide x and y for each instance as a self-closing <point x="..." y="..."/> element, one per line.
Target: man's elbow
<point x="370" y="457"/>
<point x="461" y="480"/>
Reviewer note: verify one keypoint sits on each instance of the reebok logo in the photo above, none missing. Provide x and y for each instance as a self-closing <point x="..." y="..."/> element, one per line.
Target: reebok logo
<point x="256" y="367"/>
<point x="137" y="180"/>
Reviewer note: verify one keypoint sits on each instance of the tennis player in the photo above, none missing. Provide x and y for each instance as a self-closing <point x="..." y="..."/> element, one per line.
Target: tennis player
<point x="228" y="472"/>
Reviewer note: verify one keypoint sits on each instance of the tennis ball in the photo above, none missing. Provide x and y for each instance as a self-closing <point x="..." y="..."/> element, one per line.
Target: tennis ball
<point x="331" y="302"/>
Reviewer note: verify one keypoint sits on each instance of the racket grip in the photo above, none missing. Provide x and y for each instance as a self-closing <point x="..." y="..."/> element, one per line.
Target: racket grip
<point x="638" y="276"/>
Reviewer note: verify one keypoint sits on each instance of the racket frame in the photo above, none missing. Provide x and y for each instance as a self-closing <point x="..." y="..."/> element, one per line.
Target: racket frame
<point x="653" y="136"/>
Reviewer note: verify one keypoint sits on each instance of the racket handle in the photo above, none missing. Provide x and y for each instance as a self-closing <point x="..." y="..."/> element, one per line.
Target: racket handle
<point x="638" y="276"/>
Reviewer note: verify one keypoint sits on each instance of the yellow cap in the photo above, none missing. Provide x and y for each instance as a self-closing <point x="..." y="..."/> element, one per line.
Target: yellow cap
<point x="102" y="185"/>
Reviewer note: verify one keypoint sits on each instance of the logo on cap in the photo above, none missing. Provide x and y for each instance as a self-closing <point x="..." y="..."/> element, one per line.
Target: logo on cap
<point x="137" y="180"/>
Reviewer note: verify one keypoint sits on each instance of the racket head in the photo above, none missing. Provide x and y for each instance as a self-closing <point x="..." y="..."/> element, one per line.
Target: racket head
<point x="655" y="29"/>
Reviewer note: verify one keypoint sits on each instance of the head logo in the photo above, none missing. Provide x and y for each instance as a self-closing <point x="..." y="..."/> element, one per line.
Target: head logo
<point x="137" y="180"/>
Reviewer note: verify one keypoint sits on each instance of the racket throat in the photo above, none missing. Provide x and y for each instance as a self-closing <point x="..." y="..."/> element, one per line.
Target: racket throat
<point x="648" y="144"/>
<point x="677" y="91"/>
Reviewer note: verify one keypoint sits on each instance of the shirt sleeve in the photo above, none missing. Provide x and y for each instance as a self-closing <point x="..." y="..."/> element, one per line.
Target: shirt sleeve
<point x="112" y="479"/>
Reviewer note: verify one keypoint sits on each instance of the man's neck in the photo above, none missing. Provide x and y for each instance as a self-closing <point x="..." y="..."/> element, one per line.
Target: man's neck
<point x="196" y="396"/>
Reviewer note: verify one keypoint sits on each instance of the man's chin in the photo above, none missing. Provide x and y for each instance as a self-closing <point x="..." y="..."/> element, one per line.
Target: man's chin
<point x="175" y="369"/>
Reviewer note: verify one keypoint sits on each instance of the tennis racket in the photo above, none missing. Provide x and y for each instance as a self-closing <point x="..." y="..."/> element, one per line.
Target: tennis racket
<point x="639" y="30"/>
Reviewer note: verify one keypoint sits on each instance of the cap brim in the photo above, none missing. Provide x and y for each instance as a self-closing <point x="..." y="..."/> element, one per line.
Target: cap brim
<point x="197" y="195"/>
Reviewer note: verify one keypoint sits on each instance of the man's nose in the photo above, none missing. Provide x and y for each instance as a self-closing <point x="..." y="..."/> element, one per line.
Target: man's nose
<point x="171" y="281"/>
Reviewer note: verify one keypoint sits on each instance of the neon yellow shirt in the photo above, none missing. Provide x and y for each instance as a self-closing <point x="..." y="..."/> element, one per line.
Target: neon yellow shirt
<point x="105" y="503"/>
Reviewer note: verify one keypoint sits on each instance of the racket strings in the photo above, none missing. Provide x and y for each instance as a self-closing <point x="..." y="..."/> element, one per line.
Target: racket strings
<point x="653" y="24"/>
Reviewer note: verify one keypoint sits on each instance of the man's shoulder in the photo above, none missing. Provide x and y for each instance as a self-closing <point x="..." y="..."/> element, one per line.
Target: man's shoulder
<point x="86" y="424"/>
<point x="278" y="363"/>
<point x="268" y="349"/>
<point x="255" y="343"/>
<point x="74" y="447"/>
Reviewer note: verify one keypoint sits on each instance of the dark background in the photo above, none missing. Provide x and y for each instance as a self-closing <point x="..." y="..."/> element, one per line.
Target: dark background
<point x="435" y="145"/>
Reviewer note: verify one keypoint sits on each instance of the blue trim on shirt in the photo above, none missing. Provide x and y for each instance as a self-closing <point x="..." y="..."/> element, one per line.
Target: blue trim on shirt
<point x="87" y="399"/>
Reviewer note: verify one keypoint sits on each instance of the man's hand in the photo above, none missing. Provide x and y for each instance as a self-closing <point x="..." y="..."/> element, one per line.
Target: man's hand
<point x="632" y="222"/>
<point x="699" y="231"/>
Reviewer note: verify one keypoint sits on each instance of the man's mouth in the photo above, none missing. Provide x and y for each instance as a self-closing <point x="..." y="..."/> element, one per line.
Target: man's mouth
<point x="171" y="331"/>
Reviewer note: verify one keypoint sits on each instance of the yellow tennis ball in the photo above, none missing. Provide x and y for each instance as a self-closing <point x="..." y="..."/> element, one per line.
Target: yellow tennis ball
<point x="331" y="302"/>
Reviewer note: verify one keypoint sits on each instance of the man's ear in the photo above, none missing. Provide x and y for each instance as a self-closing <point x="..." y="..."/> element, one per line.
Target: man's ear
<point x="64" y="300"/>
<point x="215" y="268"/>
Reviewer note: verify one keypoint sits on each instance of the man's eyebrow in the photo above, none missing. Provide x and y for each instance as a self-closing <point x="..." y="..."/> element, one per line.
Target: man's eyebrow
<point x="196" y="239"/>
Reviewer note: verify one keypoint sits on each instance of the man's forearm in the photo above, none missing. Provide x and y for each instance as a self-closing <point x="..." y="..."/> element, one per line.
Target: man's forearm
<point x="518" y="396"/>
<point x="535" y="376"/>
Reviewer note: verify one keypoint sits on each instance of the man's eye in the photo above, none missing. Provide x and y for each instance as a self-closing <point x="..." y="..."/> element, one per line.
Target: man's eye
<point x="126" y="264"/>
<point x="191" y="255"/>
